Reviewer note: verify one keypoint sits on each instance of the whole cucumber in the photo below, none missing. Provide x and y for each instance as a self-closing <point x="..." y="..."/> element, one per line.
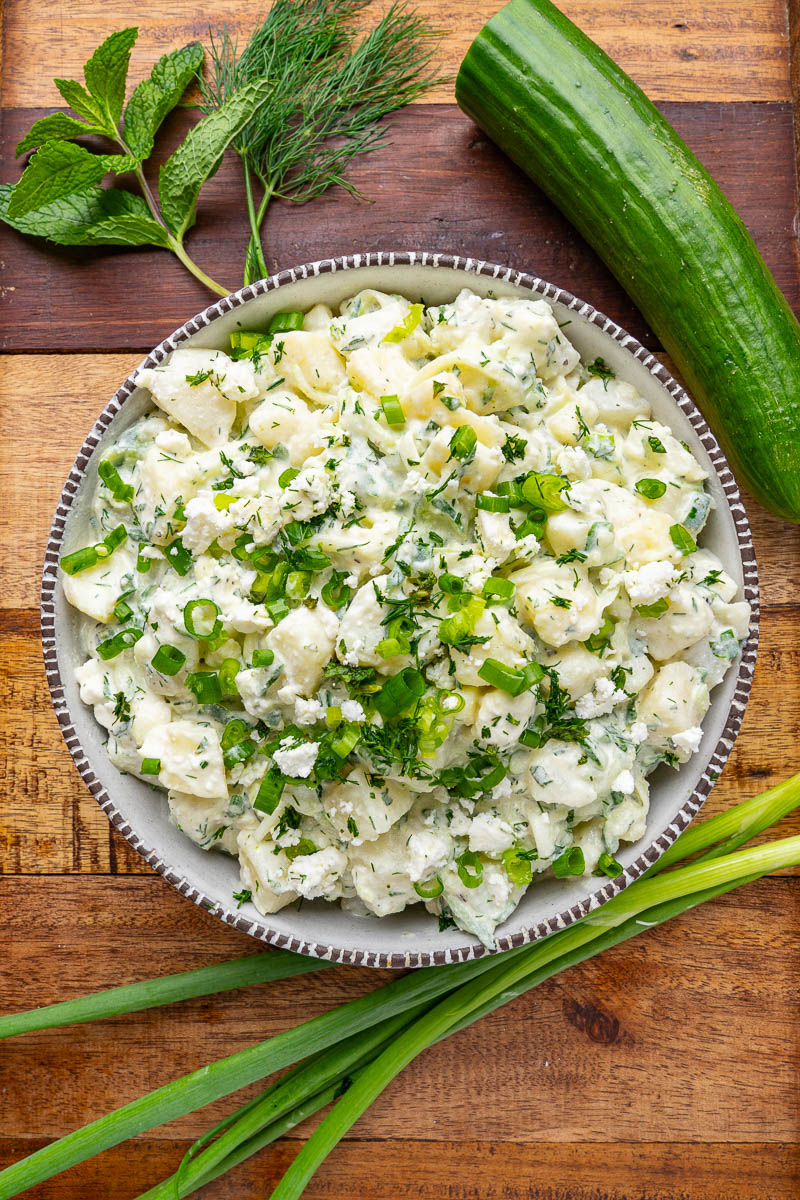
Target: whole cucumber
<point x="590" y="138"/>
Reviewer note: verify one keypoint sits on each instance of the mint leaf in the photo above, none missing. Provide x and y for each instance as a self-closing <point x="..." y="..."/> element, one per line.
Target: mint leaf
<point x="78" y="98"/>
<point x="158" y="95"/>
<point x="106" y="73"/>
<point x="54" y="171"/>
<point x="199" y="157"/>
<point x="55" y="128"/>
<point x="90" y="216"/>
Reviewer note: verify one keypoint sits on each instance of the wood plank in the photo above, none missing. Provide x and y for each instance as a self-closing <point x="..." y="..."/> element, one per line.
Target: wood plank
<point x="440" y="186"/>
<point x="651" y="1042"/>
<point x="49" y="824"/>
<point x="710" y="50"/>
<point x="458" y="1170"/>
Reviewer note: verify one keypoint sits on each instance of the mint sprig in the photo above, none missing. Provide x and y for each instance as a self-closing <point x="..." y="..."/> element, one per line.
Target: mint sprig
<point x="60" y="195"/>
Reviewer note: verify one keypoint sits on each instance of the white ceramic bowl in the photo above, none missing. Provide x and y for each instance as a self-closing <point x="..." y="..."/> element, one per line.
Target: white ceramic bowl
<point x="411" y="938"/>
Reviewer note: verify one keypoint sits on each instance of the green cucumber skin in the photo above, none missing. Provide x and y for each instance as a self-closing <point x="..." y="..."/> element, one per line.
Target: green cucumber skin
<point x="590" y="138"/>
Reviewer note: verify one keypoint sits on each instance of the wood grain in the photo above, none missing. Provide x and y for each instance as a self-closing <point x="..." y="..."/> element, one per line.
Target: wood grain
<point x="667" y="1069"/>
<point x="440" y="186"/>
<point x="627" y="1047"/>
<point x="704" y="50"/>
<point x="458" y="1170"/>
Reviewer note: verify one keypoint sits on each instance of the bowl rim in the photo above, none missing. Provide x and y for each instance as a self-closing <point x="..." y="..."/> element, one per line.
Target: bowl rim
<point x="260" y="929"/>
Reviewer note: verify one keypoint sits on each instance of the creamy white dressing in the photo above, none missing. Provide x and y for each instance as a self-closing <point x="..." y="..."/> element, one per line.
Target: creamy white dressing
<point x="352" y="506"/>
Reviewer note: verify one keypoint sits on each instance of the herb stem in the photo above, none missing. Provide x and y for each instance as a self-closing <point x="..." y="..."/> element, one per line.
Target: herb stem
<point x="179" y="251"/>
<point x="255" y="266"/>
<point x="175" y="245"/>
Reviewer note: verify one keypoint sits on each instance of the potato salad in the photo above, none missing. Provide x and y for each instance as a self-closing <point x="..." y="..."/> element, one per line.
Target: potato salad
<point x="401" y="605"/>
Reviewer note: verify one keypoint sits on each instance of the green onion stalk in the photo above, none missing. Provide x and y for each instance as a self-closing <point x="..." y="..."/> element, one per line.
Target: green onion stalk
<point x="346" y="1057"/>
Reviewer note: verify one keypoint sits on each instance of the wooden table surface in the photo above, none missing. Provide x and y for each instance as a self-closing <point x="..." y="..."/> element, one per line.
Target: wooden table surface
<point x="667" y="1069"/>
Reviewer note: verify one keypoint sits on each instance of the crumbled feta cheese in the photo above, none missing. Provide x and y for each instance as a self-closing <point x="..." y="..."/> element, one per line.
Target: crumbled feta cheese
<point x="309" y="493"/>
<point x="601" y="701"/>
<point x="573" y="462"/>
<point x="204" y="523"/>
<point x="427" y="852"/>
<point x="347" y="500"/>
<point x="353" y="711"/>
<point x="624" y="783"/>
<point x="294" y="760"/>
<point x="173" y="442"/>
<point x="638" y="732"/>
<point x="414" y="484"/>
<point x="317" y="875"/>
<point x="650" y="582"/>
<point x="489" y="834"/>
<point x="688" y="740"/>
<point x="496" y="534"/>
<point x="306" y="712"/>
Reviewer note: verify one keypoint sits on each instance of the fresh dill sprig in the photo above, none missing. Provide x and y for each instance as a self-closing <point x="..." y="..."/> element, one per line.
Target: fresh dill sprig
<point x="329" y="94"/>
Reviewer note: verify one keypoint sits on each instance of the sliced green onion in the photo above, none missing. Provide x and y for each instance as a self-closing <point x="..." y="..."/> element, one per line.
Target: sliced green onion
<point x="111" y="478"/>
<point x="286" y="477"/>
<point x="346" y="740"/>
<point x="114" y="539"/>
<point x="150" y="766"/>
<point x="656" y="609"/>
<point x="206" y="625"/>
<point x="392" y="647"/>
<point x="463" y="443"/>
<point x="263" y="658"/>
<point x="544" y="491"/>
<point x="571" y="862"/>
<point x="449" y="703"/>
<point x="247" y="340"/>
<point x="406" y="326"/>
<point x="336" y="592"/>
<point x="514" y="680"/>
<point x="428" y="891"/>
<point x="89" y="556"/>
<point x="531" y="737"/>
<point x="470" y="869"/>
<point x="229" y="669"/>
<point x="333" y="716"/>
<point x="168" y="660"/>
<point x="270" y="791"/>
<point x="518" y="866"/>
<point x="122" y="610"/>
<point x="528" y="528"/>
<point x="79" y="560"/>
<point x="498" y="590"/>
<point x="298" y="584"/>
<point x="607" y="865"/>
<point x="235" y="731"/>
<point x="285" y="322"/>
<point x="123" y="640"/>
<point x="451" y="585"/>
<point x="238" y="753"/>
<point x="393" y="411"/>
<point x="143" y="561"/>
<point x="682" y="539"/>
<point x="205" y="685"/>
<point x="598" y="641"/>
<point x="300" y="849"/>
<point x="399" y="692"/>
<point x="277" y="609"/>
<point x="651" y="489"/>
<point x="454" y="629"/>
<point x="178" y="557"/>
<point x="223" y="501"/>
<point x="512" y="488"/>
<point x="486" y="502"/>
